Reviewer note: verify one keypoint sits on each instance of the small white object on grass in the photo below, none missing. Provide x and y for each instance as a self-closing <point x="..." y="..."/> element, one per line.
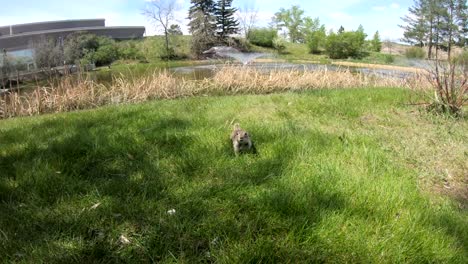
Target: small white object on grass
<point x="95" y="206"/>
<point x="171" y="212"/>
<point x="124" y="240"/>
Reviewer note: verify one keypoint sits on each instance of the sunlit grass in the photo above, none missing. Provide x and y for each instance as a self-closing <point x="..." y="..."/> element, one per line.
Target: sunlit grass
<point x="333" y="182"/>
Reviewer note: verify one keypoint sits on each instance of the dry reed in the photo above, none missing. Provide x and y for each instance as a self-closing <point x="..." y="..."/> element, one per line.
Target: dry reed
<point x="71" y="93"/>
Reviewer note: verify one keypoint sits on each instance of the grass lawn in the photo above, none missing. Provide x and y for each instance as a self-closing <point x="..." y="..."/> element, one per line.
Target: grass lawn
<point x="341" y="176"/>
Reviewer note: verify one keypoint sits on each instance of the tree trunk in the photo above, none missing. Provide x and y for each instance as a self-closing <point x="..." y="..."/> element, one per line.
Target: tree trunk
<point x="166" y="35"/>
<point x="429" y="53"/>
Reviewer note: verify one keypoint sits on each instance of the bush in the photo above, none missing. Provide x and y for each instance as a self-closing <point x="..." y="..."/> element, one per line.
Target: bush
<point x="415" y="53"/>
<point x="389" y="59"/>
<point x="105" y="55"/>
<point x="462" y="59"/>
<point x="279" y="44"/>
<point x="316" y="40"/>
<point x="346" y="44"/>
<point x="78" y="45"/>
<point x="129" y="51"/>
<point x="262" y="37"/>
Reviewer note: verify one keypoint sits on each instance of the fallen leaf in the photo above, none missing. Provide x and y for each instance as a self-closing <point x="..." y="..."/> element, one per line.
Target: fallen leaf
<point x="95" y="206"/>
<point x="124" y="240"/>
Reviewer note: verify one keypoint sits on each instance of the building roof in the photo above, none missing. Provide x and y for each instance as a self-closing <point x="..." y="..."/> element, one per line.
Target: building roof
<point x="17" y="37"/>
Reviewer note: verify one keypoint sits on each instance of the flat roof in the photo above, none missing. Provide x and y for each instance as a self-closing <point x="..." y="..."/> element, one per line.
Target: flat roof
<point x="54" y="21"/>
<point x="67" y="30"/>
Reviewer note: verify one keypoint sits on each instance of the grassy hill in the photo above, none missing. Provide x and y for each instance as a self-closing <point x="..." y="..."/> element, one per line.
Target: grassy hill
<point x="341" y="176"/>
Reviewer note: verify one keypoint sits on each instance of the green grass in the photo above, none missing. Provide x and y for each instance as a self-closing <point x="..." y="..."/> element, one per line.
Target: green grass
<point x="329" y="183"/>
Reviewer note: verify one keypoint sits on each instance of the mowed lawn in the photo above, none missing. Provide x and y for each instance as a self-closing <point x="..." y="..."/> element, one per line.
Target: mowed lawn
<point x="340" y="176"/>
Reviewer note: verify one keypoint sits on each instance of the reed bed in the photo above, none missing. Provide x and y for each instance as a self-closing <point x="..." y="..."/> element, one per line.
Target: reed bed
<point x="71" y="93"/>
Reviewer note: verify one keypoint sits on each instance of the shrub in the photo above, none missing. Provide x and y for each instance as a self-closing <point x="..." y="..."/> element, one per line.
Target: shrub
<point x="279" y="44"/>
<point x="462" y="59"/>
<point x="316" y="40"/>
<point x="129" y="51"/>
<point x="388" y="58"/>
<point x="262" y="36"/>
<point x="345" y="45"/>
<point x="78" y="45"/>
<point x="105" y="55"/>
<point x="415" y="53"/>
<point x="450" y="84"/>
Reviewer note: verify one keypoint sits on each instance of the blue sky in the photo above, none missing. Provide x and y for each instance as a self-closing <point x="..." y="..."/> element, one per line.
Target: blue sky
<point x="372" y="14"/>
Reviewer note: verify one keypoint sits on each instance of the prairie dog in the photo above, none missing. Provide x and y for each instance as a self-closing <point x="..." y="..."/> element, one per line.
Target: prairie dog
<point x="241" y="141"/>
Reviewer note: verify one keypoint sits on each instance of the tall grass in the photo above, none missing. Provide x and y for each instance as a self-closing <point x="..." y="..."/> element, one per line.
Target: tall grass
<point x="71" y="93"/>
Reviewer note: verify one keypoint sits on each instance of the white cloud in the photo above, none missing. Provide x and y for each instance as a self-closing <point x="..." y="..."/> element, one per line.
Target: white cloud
<point x="395" y="6"/>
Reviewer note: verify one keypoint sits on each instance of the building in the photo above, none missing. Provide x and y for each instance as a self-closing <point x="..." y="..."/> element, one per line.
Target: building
<point x="16" y="40"/>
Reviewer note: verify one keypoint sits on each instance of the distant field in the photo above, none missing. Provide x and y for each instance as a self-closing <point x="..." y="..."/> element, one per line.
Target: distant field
<point x="342" y="176"/>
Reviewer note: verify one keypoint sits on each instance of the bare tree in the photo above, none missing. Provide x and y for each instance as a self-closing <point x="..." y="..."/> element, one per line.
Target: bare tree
<point x="161" y="13"/>
<point x="388" y="45"/>
<point x="247" y="17"/>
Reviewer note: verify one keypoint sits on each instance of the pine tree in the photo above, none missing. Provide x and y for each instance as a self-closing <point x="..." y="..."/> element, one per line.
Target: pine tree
<point x="341" y="30"/>
<point x="453" y="26"/>
<point x="202" y="25"/>
<point x="225" y="22"/>
<point x="416" y="27"/>
<point x="436" y="23"/>
<point x="376" y="43"/>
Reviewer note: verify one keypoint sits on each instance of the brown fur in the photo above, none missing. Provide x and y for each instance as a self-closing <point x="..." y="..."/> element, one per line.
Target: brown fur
<point x="241" y="140"/>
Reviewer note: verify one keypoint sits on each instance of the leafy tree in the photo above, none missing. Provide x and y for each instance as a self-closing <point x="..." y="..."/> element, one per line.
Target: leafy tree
<point x="202" y="25"/>
<point x="263" y="36"/>
<point x="77" y="45"/>
<point x="175" y="30"/>
<point x="346" y="44"/>
<point x="226" y="24"/>
<point x="376" y="43"/>
<point x="292" y="20"/>
<point x="316" y="40"/>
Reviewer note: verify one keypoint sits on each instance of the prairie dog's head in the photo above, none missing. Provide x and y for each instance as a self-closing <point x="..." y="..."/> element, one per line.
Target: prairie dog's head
<point x="241" y="136"/>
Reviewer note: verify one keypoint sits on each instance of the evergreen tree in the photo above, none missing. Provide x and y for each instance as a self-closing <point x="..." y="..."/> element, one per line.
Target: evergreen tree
<point x="225" y="22"/>
<point x="453" y="26"/>
<point x="174" y="29"/>
<point x="416" y="27"/>
<point x="376" y="43"/>
<point x="202" y="25"/>
<point x="341" y="30"/>
<point x="436" y="23"/>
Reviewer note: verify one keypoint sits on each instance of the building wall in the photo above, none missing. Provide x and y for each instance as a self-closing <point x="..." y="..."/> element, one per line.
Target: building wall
<point x="4" y="31"/>
<point x="25" y="41"/>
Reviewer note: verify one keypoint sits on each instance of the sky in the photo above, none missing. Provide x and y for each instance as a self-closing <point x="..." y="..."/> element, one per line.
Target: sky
<point x="384" y="16"/>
